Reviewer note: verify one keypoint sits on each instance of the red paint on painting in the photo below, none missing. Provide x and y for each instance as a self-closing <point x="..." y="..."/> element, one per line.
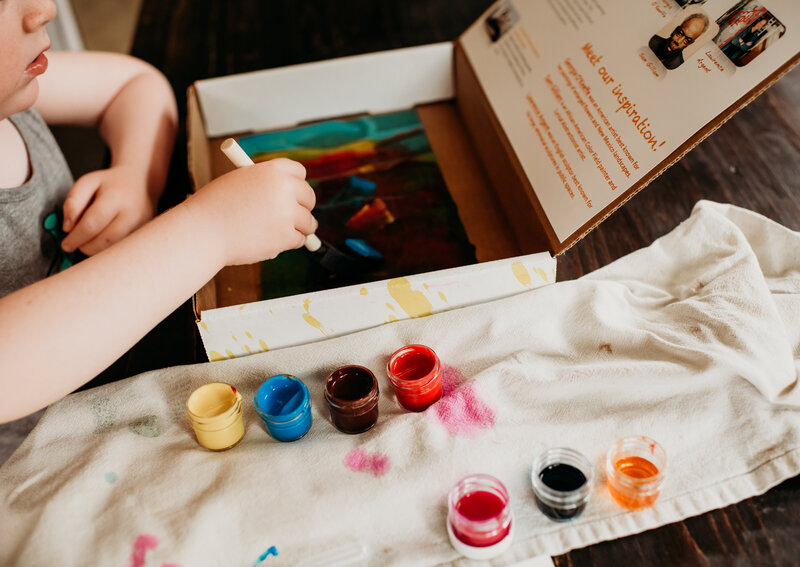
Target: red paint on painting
<point x="361" y="460"/>
<point x="462" y="410"/>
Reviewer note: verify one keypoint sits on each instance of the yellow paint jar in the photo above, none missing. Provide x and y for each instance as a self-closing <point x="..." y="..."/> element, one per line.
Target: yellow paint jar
<point x="215" y="412"/>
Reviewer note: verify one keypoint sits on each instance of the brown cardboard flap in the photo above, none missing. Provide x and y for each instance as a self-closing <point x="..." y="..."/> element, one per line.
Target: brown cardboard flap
<point x="529" y="222"/>
<point x="508" y="180"/>
<point x="478" y="207"/>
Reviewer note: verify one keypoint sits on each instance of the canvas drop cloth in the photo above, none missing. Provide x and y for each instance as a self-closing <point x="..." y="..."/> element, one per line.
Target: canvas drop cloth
<point x="693" y="341"/>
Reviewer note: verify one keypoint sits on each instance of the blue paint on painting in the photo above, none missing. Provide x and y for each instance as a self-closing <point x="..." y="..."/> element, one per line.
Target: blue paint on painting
<point x="271" y="551"/>
<point x="111" y="477"/>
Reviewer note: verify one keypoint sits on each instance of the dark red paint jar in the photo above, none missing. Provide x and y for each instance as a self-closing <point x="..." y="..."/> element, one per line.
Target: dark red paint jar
<point x="416" y="376"/>
<point x="352" y="396"/>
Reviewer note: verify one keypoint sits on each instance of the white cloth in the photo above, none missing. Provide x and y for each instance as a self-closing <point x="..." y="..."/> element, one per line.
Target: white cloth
<point x="693" y="341"/>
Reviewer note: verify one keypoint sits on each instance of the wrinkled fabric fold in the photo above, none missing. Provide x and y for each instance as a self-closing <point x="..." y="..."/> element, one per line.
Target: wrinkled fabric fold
<point x="693" y="341"/>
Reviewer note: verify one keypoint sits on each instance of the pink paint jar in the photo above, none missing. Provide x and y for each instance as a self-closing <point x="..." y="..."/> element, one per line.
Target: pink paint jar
<point x="479" y="519"/>
<point x="416" y="376"/>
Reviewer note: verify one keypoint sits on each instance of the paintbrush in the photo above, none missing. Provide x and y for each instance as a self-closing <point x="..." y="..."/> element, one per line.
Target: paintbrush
<point x="326" y="255"/>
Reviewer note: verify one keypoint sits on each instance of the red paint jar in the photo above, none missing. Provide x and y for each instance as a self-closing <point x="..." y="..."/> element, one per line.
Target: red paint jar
<point x="479" y="518"/>
<point x="416" y="376"/>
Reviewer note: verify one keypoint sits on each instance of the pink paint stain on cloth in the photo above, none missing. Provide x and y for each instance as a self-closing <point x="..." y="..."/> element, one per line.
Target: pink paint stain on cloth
<point x="462" y="411"/>
<point x="361" y="460"/>
<point x="141" y="546"/>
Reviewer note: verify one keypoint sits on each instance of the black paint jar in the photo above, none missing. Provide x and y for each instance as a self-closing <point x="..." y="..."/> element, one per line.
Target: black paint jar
<point x="352" y="396"/>
<point x="562" y="480"/>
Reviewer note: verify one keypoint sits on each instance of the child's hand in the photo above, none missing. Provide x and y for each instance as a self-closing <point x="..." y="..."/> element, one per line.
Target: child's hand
<point x="254" y="213"/>
<point x="104" y="206"/>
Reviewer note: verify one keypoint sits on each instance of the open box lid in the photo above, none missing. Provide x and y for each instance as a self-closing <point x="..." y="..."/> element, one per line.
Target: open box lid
<point x="560" y="119"/>
<point x="571" y="112"/>
<point x="574" y="110"/>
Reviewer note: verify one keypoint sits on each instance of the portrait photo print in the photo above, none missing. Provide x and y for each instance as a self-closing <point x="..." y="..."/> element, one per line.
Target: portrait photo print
<point x="682" y="37"/>
<point x="501" y="20"/>
<point x="747" y="30"/>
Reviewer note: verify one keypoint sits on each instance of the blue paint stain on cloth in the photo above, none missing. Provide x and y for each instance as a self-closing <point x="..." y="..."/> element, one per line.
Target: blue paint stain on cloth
<point x="271" y="551"/>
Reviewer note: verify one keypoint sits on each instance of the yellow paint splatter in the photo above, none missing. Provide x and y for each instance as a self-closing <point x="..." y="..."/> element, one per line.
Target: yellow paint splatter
<point x="363" y="291"/>
<point x="542" y="274"/>
<point x="234" y="338"/>
<point x="412" y="302"/>
<point x="247" y="348"/>
<point x="390" y="306"/>
<point x="263" y="345"/>
<point x="521" y="273"/>
<point x="214" y="356"/>
<point x="392" y="318"/>
<point x="230" y="354"/>
<point x="308" y="318"/>
<point x="203" y="324"/>
<point x="442" y="296"/>
<point x="241" y="307"/>
<point x="248" y="334"/>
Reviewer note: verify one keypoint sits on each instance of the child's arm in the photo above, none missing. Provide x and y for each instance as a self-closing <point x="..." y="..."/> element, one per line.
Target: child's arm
<point x="62" y="331"/>
<point x="132" y="105"/>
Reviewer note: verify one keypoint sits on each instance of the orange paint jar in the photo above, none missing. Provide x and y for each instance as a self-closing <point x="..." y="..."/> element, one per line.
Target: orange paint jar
<point x="635" y="468"/>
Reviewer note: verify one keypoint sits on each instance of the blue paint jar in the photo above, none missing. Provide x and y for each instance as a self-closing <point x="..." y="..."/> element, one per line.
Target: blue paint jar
<point x="283" y="403"/>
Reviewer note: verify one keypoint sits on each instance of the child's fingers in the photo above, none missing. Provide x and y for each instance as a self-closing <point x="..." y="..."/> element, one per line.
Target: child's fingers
<point x="91" y="224"/>
<point x="305" y="222"/>
<point x="293" y="168"/>
<point x="305" y="196"/>
<point x="116" y="230"/>
<point x="78" y="199"/>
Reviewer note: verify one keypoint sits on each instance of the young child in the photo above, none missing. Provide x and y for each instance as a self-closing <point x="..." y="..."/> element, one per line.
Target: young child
<point x="58" y="332"/>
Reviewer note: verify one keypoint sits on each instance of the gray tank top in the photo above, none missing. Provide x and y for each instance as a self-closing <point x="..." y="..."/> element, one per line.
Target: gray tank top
<point x="28" y="250"/>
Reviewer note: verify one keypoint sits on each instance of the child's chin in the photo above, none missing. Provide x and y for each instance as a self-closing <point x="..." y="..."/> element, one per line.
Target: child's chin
<point x="23" y="99"/>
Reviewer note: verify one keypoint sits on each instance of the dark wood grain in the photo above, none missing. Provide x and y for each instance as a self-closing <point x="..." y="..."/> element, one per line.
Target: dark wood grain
<point x="752" y="161"/>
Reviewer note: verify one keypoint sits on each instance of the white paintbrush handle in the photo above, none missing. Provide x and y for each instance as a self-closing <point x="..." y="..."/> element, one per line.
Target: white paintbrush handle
<point x="239" y="158"/>
<point x="235" y="153"/>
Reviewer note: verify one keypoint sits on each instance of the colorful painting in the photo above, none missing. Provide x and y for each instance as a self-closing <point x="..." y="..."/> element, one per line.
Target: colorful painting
<point x="381" y="200"/>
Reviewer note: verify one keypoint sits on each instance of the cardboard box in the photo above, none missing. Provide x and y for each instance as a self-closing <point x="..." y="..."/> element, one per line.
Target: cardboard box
<point x="501" y="132"/>
<point x="231" y="320"/>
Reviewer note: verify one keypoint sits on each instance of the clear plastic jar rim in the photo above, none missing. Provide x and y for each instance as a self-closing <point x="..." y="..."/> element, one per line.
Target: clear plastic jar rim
<point x="289" y="416"/>
<point x="480" y="482"/>
<point x="650" y="484"/>
<point x="220" y="423"/>
<point x="234" y="407"/>
<point x="562" y="498"/>
<point x="428" y="381"/>
<point x="365" y="403"/>
<point x="275" y="419"/>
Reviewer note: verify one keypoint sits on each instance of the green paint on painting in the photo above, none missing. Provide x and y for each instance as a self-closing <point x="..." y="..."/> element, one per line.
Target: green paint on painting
<point x="111" y="477"/>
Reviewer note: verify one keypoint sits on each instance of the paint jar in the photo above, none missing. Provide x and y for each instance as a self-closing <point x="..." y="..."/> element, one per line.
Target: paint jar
<point x="283" y="403"/>
<point x="562" y="480"/>
<point x="352" y="396"/>
<point x="416" y="376"/>
<point x="479" y="519"/>
<point x="635" y="467"/>
<point x="215" y="412"/>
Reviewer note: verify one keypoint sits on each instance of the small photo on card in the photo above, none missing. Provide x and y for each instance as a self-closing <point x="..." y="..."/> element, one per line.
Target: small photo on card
<point x="501" y="20"/>
<point x="682" y="37"/>
<point x="747" y="30"/>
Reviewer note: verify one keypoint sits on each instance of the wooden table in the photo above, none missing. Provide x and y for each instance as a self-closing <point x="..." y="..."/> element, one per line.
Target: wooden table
<point x="752" y="161"/>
